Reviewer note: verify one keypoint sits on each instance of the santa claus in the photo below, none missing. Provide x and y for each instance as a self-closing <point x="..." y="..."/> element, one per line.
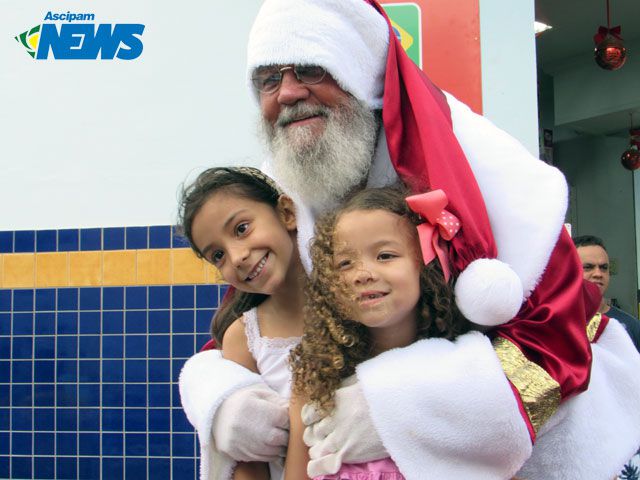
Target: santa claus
<point x="343" y="108"/>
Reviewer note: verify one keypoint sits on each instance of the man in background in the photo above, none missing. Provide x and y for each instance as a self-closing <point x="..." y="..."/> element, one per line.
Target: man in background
<point x="596" y="269"/>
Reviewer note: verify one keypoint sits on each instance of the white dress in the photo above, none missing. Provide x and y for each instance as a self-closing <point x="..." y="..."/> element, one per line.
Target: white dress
<point x="272" y="358"/>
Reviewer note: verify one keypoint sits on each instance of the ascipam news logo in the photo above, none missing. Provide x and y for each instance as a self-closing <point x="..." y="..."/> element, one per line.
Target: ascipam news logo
<point x="87" y="40"/>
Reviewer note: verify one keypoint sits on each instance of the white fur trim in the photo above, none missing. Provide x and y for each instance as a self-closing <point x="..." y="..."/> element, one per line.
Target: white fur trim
<point x="526" y="198"/>
<point x="435" y="401"/>
<point x="591" y="436"/>
<point x="206" y="380"/>
<point x="488" y="292"/>
<point x="215" y="465"/>
<point x="347" y="37"/>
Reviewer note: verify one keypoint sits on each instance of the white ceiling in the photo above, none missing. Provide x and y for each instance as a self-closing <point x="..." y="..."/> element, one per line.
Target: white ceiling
<point x="574" y="24"/>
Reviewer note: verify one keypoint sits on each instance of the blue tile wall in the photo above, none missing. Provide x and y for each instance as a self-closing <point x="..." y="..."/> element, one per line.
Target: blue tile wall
<point x="90" y="239"/>
<point x="24" y="241"/>
<point x="113" y="238"/>
<point x="136" y="237"/>
<point x="160" y="237"/>
<point x="46" y="241"/>
<point x="88" y="375"/>
<point x="177" y="240"/>
<point x="68" y="240"/>
<point x="6" y="242"/>
<point x="87" y="239"/>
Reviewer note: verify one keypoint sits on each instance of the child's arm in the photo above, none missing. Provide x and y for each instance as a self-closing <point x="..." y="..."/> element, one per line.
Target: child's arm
<point x="251" y="471"/>
<point x="295" y="467"/>
<point x="235" y="347"/>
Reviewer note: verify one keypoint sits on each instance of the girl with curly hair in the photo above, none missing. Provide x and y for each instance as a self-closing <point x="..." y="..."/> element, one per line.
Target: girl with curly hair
<point x="237" y="219"/>
<point x="375" y="286"/>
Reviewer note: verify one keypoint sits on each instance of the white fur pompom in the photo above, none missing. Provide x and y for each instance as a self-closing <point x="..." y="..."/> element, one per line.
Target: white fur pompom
<point x="488" y="292"/>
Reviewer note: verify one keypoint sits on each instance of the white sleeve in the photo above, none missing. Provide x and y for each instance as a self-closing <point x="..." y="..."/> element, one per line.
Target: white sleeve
<point x="445" y="409"/>
<point x="206" y="380"/>
<point x="593" y="434"/>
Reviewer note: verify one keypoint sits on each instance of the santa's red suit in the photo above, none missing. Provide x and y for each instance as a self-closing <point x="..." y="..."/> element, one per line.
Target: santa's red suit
<point x="483" y="406"/>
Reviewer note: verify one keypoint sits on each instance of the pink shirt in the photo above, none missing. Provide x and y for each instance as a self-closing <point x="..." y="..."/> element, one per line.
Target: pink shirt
<point x="384" y="469"/>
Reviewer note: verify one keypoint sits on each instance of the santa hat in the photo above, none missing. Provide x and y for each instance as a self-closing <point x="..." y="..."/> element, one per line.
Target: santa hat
<point x="347" y="37"/>
<point x="354" y="41"/>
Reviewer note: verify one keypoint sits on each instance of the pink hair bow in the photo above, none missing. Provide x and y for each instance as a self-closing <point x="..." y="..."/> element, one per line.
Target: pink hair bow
<point x="439" y="226"/>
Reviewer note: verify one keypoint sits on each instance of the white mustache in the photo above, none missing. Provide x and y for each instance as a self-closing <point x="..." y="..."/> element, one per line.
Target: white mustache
<point x="299" y="111"/>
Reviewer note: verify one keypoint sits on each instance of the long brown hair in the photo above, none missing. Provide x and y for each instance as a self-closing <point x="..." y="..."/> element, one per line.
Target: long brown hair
<point x="244" y="182"/>
<point x="333" y="344"/>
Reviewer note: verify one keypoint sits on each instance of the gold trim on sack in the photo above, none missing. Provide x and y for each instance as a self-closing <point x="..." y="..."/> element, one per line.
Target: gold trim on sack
<point x="593" y="325"/>
<point x="539" y="392"/>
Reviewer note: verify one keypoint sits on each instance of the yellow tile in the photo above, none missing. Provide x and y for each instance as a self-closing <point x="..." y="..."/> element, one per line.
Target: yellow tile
<point x="186" y="267"/>
<point x="154" y="267"/>
<point x="19" y="270"/>
<point x="85" y="269"/>
<point x="119" y="267"/>
<point x="213" y="274"/>
<point x="52" y="269"/>
<point x="1" y="277"/>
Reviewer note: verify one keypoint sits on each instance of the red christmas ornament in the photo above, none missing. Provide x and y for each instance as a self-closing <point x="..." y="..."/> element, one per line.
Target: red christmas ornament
<point x="631" y="159"/>
<point x="610" y="52"/>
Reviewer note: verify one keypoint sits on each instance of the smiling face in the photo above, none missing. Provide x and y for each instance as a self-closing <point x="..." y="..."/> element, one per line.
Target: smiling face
<point x="321" y="139"/>
<point x="250" y="242"/>
<point x="377" y="256"/>
<point x="326" y="94"/>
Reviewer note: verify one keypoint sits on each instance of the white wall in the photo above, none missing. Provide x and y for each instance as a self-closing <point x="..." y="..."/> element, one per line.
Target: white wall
<point x="604" y="205"/>
<point x="509" y="68"/>
<point x="106" y="143"/>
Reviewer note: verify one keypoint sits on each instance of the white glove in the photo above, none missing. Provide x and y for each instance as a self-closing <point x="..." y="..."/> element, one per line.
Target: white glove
<point x="252" y="425"/>
<point x="345" y="436"/>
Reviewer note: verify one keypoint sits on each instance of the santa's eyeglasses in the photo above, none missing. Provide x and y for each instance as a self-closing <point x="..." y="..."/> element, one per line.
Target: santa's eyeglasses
<point x="268" y="79"/>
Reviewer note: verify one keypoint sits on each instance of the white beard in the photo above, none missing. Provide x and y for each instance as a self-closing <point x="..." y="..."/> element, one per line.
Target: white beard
<point x="323" y="168"/>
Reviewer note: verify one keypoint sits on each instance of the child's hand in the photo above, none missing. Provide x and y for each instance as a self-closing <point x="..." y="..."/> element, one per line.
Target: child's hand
<point x="252" y="425"/>
<point x="345" y="436"/>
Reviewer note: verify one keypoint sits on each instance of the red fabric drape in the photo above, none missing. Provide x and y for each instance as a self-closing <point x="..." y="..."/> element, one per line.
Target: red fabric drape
<point x="426" y="154"/>
<point x="550" y="329"/>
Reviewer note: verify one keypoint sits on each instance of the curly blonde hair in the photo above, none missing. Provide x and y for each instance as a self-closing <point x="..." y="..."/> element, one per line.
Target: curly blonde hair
<point x="333" y="344"/>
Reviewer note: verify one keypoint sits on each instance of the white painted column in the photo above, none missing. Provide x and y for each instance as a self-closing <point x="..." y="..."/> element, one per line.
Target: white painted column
<point x="509" y="81"/>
